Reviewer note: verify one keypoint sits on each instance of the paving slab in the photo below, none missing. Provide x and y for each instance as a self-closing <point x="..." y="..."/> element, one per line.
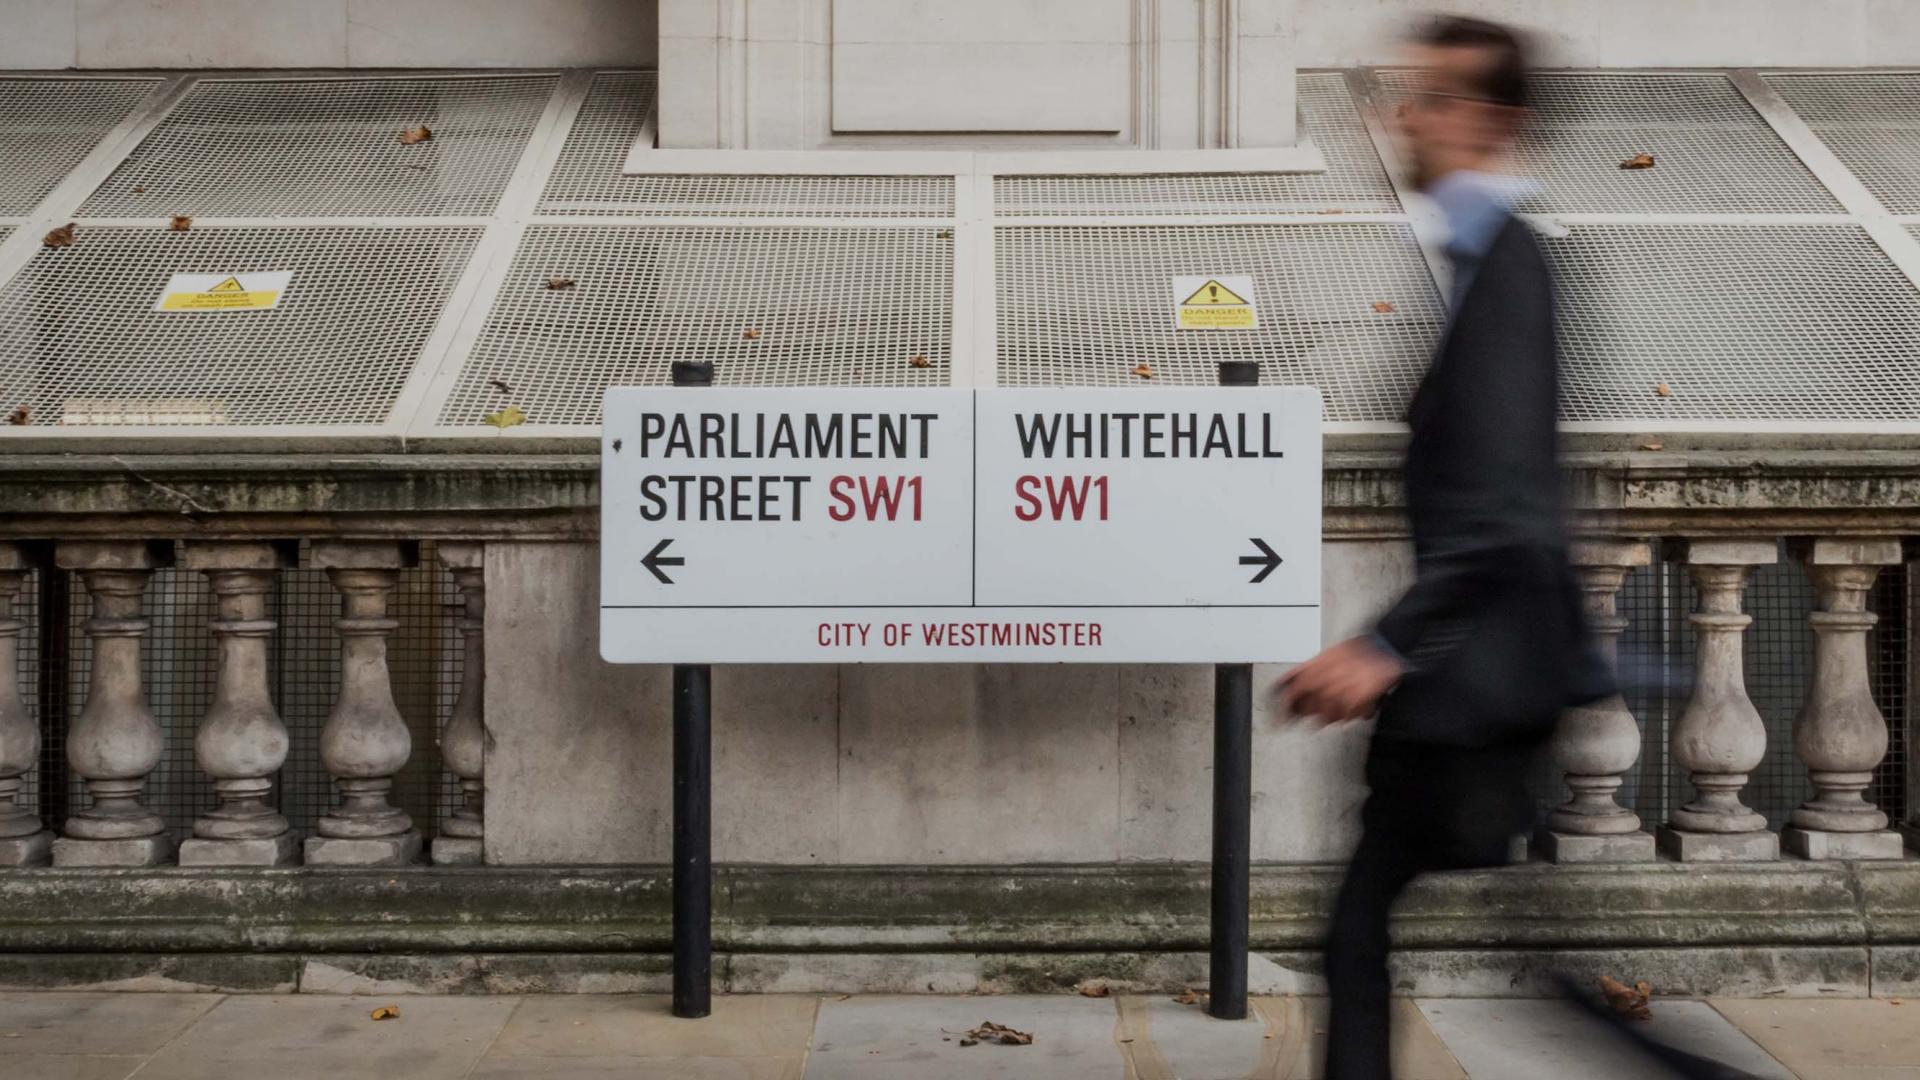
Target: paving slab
<point x="1852" y="1039"/>
<point x="1527" y="1039"/>
<point x="72" y="1022"/>
<point x="634" y="1026"/>
<point x="893" y="1037"/>
<point x="1165" y="1040"/>
<point x="1300" y="1025"/>
<point x="70" y="1066"/>
<point x="638" y="1068"/>
<point x="322" y="1037"/>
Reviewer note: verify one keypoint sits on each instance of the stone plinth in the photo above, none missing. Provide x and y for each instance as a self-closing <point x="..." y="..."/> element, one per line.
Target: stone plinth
<point x="400" y="850"/>
<point x="458" y="851"/>
<point x="35" y="849"/>
<point x="127" y="851"/>
<point x="1824" y="844"/>
<point x="1757" y="846"/>
<point x="281" y="850"/>
<point x="1560" y="847"/>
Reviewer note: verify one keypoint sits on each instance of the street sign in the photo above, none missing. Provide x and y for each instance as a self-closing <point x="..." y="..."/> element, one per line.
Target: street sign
<point x="1044" y="525"/>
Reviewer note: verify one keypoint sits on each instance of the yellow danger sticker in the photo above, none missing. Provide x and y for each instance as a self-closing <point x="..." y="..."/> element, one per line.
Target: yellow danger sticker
<point x="225" y="292"/>
<point x="1223" y="302"/>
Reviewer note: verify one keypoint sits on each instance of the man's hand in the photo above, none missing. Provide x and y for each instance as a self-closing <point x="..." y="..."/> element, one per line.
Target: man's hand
<point x="1343" y="683"/>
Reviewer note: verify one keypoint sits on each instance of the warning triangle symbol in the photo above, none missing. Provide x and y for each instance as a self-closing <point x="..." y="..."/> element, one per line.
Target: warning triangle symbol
<point x="1213" y="294"/>
<point x="232" y="284"/>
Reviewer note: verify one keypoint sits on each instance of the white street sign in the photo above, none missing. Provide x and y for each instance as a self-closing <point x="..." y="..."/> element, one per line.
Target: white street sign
<point x="1045" y="525"/>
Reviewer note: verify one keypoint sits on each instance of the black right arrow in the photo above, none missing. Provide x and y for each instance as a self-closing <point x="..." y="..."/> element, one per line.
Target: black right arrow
<point x="1266" y="562"/>
<point x="654" y="561"/>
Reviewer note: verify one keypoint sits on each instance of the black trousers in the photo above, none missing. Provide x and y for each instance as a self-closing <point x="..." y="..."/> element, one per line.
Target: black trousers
<point x="1430" y="807"/>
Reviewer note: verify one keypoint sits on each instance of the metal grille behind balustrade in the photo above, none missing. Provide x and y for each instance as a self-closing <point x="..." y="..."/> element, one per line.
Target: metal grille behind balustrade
<point x="330" y="148"/>
<point x="1871" y="122"/>
<point x="589" y="178"/>
<point x="1657" y="669"/>
<point x="81" y="343"/>
<point x="1348" y="308"/>
<point x="178" y="669"/>
<point x="1354" y="180"/>
<point x="47" y="126"/>
<point x="1737" y="322"/>
<point x="1713" y="154"/>
<point x="770" y="306"/>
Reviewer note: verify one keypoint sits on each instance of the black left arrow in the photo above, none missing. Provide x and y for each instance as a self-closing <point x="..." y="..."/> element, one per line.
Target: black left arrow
<point x="1265" y="561"/>
<point x="654" y="561"/>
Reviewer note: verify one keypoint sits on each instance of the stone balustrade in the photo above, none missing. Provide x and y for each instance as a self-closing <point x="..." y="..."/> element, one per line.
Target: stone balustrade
<point x="241" y="743"/>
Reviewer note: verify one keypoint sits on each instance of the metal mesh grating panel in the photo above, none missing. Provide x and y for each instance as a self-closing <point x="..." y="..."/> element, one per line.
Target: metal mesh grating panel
<point x="1871" y="122"/>
<point x="48" y="125"/>
<point x="1739" y="322"/>
<point x="844" y="306"/>
<point x="1355" y="180"/>
<point x="77" y="329"/>
<point x="329" y="147"/>
<point x="1888" y="652"/>
<point x="588" y="179"/>
<point x="1713" y="153"/>
<point x="1083" y="306"/>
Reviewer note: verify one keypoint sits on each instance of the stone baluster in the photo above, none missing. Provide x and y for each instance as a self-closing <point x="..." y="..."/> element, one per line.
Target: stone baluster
<point x="1840" y="734"/>
<point x="1720" y="737"/>
<point x="1596" y="744"/>
<point x="365" y="741"/>
<point x="241" y="743"/>
<point x="115" y="743"/>
<point x="463" y="745"/>
<point x="24" y="841"/>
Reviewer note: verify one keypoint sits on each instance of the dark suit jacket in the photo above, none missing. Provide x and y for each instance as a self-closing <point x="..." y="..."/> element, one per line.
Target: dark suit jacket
<point x="1492" y="625"/>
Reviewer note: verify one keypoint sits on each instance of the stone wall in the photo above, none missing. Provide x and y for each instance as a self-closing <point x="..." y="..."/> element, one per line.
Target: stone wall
<point x="853" y="765"/>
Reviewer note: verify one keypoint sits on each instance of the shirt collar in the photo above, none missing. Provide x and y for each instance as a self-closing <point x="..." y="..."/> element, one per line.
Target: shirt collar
<point x="1475" y="204"/>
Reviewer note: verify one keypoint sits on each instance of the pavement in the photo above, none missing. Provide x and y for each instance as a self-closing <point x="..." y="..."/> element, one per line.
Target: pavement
<point x="113" y="1036"/>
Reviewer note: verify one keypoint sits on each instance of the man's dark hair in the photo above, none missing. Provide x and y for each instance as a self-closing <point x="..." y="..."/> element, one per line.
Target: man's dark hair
<point x="1504" y="79"/>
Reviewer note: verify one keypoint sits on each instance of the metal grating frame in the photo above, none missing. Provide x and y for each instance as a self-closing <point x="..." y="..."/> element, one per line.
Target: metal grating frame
<point x="1760" y="323"/>
<point x="1083" y="306"/>
<point x="330" y="148"/>
<point x="1713" y="152"/>
<point x="1870" y="121"/>
<point x="1355" y="180"/>
<point x="47" y="126"/>
<point x="828" y="306"/>
<point x="588" y="178"/>
<point x="335" y="352"/>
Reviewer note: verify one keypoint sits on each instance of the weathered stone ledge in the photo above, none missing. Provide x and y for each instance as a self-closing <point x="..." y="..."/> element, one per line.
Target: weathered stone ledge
<point x="556" y="496"/>
<point x="1789" y="928"/>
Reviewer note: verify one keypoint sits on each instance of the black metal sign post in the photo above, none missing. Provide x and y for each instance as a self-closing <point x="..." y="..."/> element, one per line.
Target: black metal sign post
<point x="692" y="809"/>
<point x="1232" y="807"/>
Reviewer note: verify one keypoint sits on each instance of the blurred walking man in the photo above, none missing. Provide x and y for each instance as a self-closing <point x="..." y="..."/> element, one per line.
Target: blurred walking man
<point x="1470" y="669"/>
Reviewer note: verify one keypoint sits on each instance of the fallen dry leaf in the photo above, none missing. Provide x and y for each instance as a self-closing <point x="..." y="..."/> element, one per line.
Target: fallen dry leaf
<point x="139" y="189"/>
<point x="1627" y="1000"/>
<point x="386" y="1012"/>
<point x="919" y="362"/>
<point x="1143" y="370"/>
<point x="1383" y="306"/>
<point x="510" y="416"/>
<point x="181" y="223"/>
<point x="500" y="385"/>
<point x="1893" y="1001"/>
<point x="1638" y="161"/>
<point x="969" y="1042"/>
<point x="1663" y="389"/>
<point x="416" y="135"/>
<point x="1656" y="445"/>
<point x="1094" y="989"/>
<point x="20" y="416"/>
<point x="556" y="284"/>
<point x="60" y="237"/>
<point x="751" y="335"/>
<point x="1333" y="211"/>
<point x="944" y="234"/>
<point x="1191" y="996"/>
<point x="988" y="1031"/>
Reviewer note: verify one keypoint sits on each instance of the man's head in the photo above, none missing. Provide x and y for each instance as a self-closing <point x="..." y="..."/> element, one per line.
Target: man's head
<point x="1473" y="97"/>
